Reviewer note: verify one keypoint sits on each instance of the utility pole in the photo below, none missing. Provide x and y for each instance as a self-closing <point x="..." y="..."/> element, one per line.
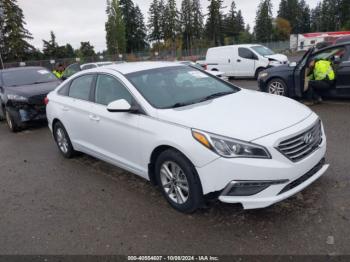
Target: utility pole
<point x="1" y="35"/>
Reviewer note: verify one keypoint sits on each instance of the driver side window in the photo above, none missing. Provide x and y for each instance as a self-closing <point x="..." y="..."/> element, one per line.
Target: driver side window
<point x="109" y="89"/>
<point x="246" y="53"/>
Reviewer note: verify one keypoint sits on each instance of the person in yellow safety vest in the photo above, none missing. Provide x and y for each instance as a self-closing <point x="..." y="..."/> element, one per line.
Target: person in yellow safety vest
<point x="321" y="76"/>
<point x="58" y="71"/>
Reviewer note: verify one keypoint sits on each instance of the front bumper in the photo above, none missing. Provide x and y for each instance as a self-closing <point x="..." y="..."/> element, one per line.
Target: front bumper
<point x="23" y="113"/>
<point x="273" y="194"/>
<point x="223" y="172"/>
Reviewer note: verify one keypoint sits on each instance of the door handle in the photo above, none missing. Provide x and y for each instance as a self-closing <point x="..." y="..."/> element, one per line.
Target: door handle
<point x="239" y="60"/>
<point x="94" y="118"/>
<point x="65" y="108"/>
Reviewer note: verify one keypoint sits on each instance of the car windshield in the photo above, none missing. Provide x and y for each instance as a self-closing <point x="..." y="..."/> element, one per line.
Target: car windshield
<point x="178" y="86"/>
<point x="263" y="50"/>
<point x="27" y="76"/>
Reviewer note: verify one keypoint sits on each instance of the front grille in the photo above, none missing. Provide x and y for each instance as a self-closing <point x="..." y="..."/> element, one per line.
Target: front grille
<point x="37" y="100"/>
<point x="303" y="178"/>
<point x="302" y="145"/>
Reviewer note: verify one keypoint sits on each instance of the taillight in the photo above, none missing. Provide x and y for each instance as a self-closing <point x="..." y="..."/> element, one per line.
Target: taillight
<point x="205" y="67"/>
<point x="46" y="100"/>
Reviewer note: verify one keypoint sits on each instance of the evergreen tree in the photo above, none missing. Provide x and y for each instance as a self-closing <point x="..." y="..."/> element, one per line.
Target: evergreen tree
<point x="345" y="14"/>
<point x="86" y="49"/>
<point x="214" y="26"/>
<point x="197" y="19"/>
<point x="263" y="22"/>
<point x="187" y="24"/>
<point x="14" y="36"/>
<point x="128" y="13"/>
<point x="155" y="22"/>
<point x="170" y="21"/>
<point x="316" y="18"/>
<point x="50" y="47"/>
<point x="115" y="28"/>
<point x="297" y="12"/>
<point x="140" y="31"/>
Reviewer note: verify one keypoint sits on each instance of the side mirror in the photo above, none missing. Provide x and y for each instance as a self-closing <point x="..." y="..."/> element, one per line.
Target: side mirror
<point x="120" y="105"/>
<point x="293" y="64"/>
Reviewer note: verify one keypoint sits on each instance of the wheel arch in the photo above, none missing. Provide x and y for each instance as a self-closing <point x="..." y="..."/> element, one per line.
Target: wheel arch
<point x="154" y="155"/>
<point x="278" y="78"/>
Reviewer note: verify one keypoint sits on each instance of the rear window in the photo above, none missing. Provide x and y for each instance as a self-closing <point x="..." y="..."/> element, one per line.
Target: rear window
<point x="27" y="76"/>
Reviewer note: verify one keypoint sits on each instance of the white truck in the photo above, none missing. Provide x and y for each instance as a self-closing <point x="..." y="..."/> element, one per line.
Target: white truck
<point x="242" y="60"/>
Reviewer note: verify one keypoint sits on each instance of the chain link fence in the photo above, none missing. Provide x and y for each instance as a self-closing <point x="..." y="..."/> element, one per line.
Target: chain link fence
<point x="163" y="55"/>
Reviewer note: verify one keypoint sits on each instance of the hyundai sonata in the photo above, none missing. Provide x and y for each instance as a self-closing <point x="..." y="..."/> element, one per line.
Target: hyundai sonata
<point x="190" y="133"/>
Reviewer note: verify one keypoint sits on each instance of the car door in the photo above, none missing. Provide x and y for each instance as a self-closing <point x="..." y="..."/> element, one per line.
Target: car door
<point x="116" y="134"/>
<point x="76" y="111"/>
<point x="342" y="65"/>
<point x="245" y="63"/>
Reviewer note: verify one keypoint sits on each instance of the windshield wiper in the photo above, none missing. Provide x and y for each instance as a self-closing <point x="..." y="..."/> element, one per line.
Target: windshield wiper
<point x="216" y="95"/>
<point x="176" y="105"/>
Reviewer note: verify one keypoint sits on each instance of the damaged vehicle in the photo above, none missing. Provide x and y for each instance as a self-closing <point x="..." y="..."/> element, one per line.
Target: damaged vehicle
<point x="22" y="94"/>
<point x="292" y="80"/>
<point x="245" y="61"/>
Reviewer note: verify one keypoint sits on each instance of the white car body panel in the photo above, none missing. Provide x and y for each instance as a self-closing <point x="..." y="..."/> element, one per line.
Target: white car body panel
<point x="128" y="140"/>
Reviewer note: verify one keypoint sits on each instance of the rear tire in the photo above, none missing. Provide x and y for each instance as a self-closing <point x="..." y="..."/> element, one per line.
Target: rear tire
<point x="63" y="141"/>
<point x="178" y="181"/>
<point x="277" y="86"/>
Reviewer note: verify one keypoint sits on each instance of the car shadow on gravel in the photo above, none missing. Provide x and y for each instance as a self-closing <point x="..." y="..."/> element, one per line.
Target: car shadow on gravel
<point x="308" y="202"/>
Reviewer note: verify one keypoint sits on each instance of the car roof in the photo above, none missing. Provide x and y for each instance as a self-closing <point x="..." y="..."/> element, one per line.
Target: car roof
<point x="127" y="68"/>
<point x="14" y="69"/>
<point x="240" y="45"/>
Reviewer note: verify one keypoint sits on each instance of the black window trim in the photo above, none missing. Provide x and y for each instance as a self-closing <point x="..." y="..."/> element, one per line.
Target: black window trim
<point x="75" y="78"/>
<point x="255" y="57"/>
<point x="135" y="102"/>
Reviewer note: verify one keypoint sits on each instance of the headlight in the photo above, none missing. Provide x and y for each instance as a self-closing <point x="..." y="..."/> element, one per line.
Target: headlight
<point x="229" y="147"/>
<point x="17" y="98"/>
<point x="263" y="75"/>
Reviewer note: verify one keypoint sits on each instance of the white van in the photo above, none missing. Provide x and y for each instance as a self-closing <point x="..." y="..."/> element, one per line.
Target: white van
<point x="242" y="60"/>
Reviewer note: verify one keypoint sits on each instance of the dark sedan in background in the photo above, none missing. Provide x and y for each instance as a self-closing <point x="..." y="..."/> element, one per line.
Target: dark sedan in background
<point x="289" y="80"/>
<point x="22" y="94"/>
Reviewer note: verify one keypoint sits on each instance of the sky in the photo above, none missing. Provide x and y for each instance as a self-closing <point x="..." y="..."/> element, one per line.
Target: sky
<point x="74" y="21"/>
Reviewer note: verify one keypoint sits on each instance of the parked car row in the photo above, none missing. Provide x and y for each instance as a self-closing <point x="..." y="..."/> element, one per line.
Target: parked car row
<point x="76" y="67"/>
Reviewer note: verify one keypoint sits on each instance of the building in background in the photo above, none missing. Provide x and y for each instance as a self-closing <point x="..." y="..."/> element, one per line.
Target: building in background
<point x="302" y="42"/>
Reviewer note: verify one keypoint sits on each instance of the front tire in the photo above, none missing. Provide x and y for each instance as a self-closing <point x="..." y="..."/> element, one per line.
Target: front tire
<point x="178" y="181"/>
<point x="63" y="141"/>
<point x="11" y="123"/>
<point x="277" y="86"/>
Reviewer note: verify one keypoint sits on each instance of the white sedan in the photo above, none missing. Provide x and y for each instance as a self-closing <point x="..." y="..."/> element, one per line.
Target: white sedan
<point x="192" y="134"/>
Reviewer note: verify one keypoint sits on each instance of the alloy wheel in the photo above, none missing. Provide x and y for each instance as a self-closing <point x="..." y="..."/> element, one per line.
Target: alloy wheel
<point x="62" y="140"/>
<point x="174" y="182"/>
<point x="276" y="88"/>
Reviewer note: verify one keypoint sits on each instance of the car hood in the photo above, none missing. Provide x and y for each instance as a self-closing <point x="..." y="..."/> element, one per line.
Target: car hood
<point x="245" y="115"/>
<point x="278" y="57"/>
<point x="216" y="73"/>
<point x="32" y="90"/>
<point x="281" y="68"/>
